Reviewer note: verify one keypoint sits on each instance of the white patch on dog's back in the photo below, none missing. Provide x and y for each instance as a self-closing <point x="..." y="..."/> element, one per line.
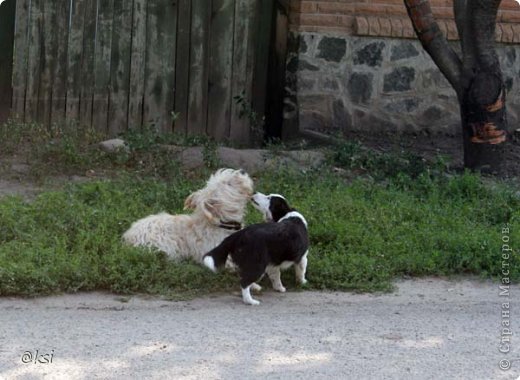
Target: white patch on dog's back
<point x="294" y="214"/>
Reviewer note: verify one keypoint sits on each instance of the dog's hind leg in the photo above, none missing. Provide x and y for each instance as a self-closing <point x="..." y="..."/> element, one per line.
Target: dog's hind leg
<point x="300" y="269"/>
<point x="274" y="276"/>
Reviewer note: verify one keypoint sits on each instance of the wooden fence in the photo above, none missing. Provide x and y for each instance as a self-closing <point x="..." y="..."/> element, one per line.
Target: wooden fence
<point x="119" y="64"/>
<point x="7" y="9"/>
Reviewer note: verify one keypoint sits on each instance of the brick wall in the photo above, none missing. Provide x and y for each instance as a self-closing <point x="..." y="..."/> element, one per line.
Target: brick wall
<point x="387" y="18"/>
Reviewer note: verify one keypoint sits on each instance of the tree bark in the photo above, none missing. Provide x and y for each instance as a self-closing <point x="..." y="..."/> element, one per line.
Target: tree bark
<point x="477" y="78"/>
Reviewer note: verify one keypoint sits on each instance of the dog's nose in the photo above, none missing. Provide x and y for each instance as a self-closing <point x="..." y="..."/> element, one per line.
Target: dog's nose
<point x="243" y="172"/>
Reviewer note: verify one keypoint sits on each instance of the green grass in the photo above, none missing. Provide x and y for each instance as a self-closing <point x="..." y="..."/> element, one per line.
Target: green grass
<point x="401" y="215"/>
<point x="363" y="233"/>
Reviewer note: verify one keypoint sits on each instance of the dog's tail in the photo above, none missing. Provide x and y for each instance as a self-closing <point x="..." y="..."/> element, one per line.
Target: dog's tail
<point x="217" y="256"/>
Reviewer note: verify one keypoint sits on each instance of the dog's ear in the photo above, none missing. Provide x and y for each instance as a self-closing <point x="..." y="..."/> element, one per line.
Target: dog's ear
<point x="210" y="209"/>
<point x="191" y="202"/>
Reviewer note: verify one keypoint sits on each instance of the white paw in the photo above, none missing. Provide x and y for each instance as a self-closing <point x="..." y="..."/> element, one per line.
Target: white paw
<point x="255" y="287"/>
<point x="303" y="281"/>
<point x="280" y="289"/>
<point x="252" y="302"/>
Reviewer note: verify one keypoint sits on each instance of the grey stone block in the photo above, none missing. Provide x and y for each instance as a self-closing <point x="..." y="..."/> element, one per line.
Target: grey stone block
<point x="370" y="55"/>
<point x="433" y="113"/>
<point x="297" y="64"/>
<point x="399" y="80"/>
<point x="403" y="50"/>
<point x="332" y="49"/>
<point x="342" y="119"/>
<point x="360" y="87"/>
<point x="400" y="106"/>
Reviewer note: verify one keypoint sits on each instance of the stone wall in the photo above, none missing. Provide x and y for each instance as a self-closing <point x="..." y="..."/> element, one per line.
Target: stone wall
<point x="338" y="84"/>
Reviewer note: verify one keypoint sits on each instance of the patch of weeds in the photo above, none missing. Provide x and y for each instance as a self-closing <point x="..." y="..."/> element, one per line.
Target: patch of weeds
<point x="210" y="155"/>
<point x="363" y="234"/>
<point x="256" y="120"/>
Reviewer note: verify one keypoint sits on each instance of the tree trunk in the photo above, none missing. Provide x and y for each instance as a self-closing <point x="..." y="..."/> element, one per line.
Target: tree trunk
<point x="477" y="78"/>
<point x="484" y="123"/>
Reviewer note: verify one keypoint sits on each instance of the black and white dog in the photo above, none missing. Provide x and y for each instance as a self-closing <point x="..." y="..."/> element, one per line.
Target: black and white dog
<point x="265" y="247"/>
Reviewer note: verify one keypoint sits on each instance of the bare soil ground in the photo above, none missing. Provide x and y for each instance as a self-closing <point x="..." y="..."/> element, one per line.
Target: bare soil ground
<point x="431" y="146"/>
<point x="427" y="329"/>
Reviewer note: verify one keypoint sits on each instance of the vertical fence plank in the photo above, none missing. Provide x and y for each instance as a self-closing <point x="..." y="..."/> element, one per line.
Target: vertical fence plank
<point x="7" y="12"/>
<point x="87" y="63"/>
<point x="61" y="19"/>
<point x="221" y="58"/>
<point x="137" y="65"/>
<point x="199" y="67"/>
<point x="74" y="56"/>
<point x="182" y="65"/>
<point x="120" y="67"/>
<point x="48" y="61"/>
<point x="34" y="52"/>
<point x="102" y="56"/>
<point x="20" y="58"/>
<point x="262" y="45"/>
<point x="160" y="64"/>
<point x="242" y="67"/>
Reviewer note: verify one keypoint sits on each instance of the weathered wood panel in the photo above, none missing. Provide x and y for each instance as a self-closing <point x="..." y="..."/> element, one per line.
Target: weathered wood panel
<point x="7" y="12"/>
<point x="87" y="63"/>
<point x="264" y="28"/>
<point x="74" y="59"/>
<point x="120" y="64"/>
<point x="120" y="67"/>
<point x="221" y="69"/>
<point x="35" y="38"/>
<point x="182" y="66"/>
<point x="61" y="20"/>
<point x="242" y="68"/>
<point x="199" y="67"/>
<point x="19" y="80"/>
<point x="160" y="64"/>
<point x="47" y="62"/>
<point x="103" y="55"/>
<point x="137" y="65"/>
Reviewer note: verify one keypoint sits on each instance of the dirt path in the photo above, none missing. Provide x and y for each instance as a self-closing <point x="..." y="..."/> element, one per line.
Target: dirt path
<point x="427" y="329"/>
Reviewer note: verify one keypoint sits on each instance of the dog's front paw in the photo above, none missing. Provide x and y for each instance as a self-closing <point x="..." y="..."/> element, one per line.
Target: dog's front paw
<point x="280" y="289"/>
<point x="252" y="302"/>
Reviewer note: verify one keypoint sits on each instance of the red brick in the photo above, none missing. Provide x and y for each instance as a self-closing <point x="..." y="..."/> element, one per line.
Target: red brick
<point x="498" y="33"/>
<point x="336" y="8"/>
<point x="408" y="31"/>
<point x="386" y="27"/>
<point x="452" y="30"/>
<point x="516" y="33"/>
<point x="388" y="17"/>
<point x="373" y="26"/>
<point x="443" y="27"/>
<point x="509" y="5"/>
<point x="443" y="12"/>
<point x="361" y="26"/>
<point x="507" y="33"/>
<point x="509" y="16"/>
<point x="397" y="27"/>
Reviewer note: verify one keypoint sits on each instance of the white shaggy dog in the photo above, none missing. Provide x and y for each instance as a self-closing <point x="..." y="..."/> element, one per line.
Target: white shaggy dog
<point x="219" y="210"/>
